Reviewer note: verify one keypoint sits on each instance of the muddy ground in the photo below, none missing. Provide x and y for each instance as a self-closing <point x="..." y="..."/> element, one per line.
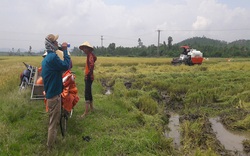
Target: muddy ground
<point x="176" y="104"/>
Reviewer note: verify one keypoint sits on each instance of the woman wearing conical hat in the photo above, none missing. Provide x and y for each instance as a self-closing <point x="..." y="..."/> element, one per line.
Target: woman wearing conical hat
<point x="89" y="76"/>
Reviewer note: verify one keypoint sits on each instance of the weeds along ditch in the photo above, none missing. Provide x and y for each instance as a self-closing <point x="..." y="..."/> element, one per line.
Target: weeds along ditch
<point x="135" y="100"/>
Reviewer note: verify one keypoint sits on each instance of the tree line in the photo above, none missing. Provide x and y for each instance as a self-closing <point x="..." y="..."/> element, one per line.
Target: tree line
<point x="209" y="48"/>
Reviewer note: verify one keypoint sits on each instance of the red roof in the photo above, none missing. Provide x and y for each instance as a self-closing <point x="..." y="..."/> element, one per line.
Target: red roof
<point x="186" y="47"/>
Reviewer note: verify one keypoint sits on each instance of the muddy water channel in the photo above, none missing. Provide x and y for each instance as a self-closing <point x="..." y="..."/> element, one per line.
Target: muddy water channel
<point x="174" y="132"/>
<point x="231" y="141"/>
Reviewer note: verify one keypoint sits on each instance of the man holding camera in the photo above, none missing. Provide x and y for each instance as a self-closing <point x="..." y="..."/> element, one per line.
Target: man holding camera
<point x="52" y="69"/>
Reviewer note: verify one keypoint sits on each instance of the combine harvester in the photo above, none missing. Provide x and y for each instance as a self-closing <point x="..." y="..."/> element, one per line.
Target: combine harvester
<point x="188" y="57"/>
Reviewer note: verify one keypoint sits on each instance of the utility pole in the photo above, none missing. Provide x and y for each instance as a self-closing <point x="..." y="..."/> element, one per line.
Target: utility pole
<point x="101" y="41"/>
<point x="158" y="50"/>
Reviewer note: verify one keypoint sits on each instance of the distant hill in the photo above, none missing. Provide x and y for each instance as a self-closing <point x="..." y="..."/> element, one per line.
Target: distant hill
<point x="21" y="50"/>
<point x="5" y="49"/>
<point x="240" y="43"/>
<point x="10" y="50"/>
<point x="218" y="48"/>
<point x="203" y="41"/>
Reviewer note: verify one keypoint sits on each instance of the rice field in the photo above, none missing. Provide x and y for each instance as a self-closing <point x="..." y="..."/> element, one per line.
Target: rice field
<point x="131" y="120"/>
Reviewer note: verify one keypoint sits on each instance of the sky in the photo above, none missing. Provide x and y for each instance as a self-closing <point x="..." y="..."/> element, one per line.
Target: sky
<point x="26" y="23"/>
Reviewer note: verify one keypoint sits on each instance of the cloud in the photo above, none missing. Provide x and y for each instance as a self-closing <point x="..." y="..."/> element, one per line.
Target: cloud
<point x="25" y="23"/>
<point x="201" y="23"/>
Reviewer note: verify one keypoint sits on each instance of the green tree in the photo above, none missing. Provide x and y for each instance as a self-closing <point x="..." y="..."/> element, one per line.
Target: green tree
<point x="76" y="52"/>
<point x="140" y="43"/>
<point x="111" y="49"/>
<point x="170" y="40"/>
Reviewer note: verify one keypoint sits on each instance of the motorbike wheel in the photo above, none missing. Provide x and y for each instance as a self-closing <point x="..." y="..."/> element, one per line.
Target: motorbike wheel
<point x="23" y="86"/>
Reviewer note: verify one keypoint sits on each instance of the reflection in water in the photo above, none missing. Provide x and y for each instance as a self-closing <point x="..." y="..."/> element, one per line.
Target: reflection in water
<point x="174" y="132"/>
<point x="230" y="140"/>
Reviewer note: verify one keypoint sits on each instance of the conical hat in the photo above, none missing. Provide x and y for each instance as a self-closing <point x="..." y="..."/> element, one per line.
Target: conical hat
<point x="85" y="44"/>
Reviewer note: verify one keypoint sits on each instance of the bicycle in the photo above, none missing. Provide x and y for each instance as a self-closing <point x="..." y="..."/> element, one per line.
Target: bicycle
<point x="69" y="99"/>
<point x="65" y="115"/>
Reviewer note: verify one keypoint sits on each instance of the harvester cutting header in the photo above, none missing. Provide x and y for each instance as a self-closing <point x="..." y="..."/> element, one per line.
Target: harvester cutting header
<point x="188" y="57"/>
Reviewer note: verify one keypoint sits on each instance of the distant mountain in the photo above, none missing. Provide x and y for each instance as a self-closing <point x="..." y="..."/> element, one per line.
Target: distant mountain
<point x="202" y="41"/>
<point x="5" y="49"/>
<point x="10" y="50"/>
<point x="21" y="50"/>
<point x="218" y="48"/>
<point x="240" y="43"/>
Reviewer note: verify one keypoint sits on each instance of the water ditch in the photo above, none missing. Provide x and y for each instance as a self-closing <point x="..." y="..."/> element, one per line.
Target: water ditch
<point x="108" y="86"/>
<point x="108" y="91"/>
<point x="230" y="140"/>
<point x="174" y="133"/>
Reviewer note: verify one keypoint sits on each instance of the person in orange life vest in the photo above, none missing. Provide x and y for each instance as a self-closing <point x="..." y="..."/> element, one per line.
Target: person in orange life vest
<point x="89" y="76"/>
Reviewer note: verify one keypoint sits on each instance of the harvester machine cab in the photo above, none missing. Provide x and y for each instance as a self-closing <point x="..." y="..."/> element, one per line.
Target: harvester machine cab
<point x="183" y="56"/>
